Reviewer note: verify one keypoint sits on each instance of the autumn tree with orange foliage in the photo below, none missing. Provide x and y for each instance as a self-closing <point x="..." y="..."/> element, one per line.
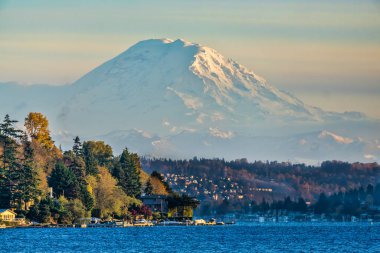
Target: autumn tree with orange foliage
<point x="37" y="126"/>
<point x="45" y="152"/>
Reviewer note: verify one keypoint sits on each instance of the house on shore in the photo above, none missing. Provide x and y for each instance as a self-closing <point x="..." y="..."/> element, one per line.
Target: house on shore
<point x="156" y="203"/>
<point x="7" y="215"/>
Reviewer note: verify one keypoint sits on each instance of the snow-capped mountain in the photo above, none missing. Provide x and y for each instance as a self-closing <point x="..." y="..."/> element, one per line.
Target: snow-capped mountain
<point x="182" y="86"/>
<point x="166" y="97"/>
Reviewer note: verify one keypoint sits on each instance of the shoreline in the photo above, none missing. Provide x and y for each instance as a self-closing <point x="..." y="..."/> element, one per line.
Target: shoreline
<point x="193" y="225"/>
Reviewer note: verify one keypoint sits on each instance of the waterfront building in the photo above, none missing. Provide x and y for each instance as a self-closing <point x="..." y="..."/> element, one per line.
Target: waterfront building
<point x="156" y="203"/>
<point x="7" y="215"/>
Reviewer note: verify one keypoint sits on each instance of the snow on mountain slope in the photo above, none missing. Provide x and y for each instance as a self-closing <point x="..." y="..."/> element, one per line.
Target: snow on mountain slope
<point x="179" y="99"/>
<point x="168" y="86"/>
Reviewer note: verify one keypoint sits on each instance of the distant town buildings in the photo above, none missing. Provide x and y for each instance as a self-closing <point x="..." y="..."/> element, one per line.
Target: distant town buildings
<point x="222" y="188"/>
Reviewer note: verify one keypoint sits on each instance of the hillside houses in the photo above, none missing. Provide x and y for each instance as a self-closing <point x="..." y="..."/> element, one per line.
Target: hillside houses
<point x="222" y="188"/>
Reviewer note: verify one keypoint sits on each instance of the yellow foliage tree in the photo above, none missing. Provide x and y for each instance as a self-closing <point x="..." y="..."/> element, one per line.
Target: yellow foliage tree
<point x="109" y="198"/>
<point x="45" y="152"/>
<point x="37" y="126"/>
<point x="158" y="186"/>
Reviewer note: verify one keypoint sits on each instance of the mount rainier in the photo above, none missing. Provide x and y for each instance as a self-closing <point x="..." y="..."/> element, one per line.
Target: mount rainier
<point x="179" y="99"/>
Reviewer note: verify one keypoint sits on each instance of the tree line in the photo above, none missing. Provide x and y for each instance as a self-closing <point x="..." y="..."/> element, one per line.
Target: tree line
<point x="87" y="180"/>
<point x="339" y="205"/>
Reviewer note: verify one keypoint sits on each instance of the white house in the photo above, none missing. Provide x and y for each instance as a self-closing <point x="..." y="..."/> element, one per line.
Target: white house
<point x="7" y="215"/>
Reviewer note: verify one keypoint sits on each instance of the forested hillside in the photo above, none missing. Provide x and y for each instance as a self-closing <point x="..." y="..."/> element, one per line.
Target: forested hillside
<point x="241" y="182"/>
<point x="45" y="184"/>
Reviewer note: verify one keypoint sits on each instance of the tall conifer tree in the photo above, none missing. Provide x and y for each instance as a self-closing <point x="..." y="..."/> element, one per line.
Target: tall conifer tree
<point x="10" y="169"/>
<point x="78" y="147"/>
<point x="28" y="183"/>
<point x="130" y="165"/>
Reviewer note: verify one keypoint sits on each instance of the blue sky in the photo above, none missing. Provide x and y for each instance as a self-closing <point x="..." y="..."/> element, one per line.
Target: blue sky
<point x="325" y="52"/>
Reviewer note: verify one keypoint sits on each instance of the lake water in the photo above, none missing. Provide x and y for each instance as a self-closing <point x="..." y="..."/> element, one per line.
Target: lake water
<point x="243" y="237"/>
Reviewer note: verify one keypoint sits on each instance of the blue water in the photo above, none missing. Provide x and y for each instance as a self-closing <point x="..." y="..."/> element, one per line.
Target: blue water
<point x="247" y="237"/>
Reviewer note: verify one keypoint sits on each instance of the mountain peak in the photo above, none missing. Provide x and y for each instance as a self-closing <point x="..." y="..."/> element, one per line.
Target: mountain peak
<point x="177" y="95"/>
<point x="196" y="83"/>
<point x="163" y="42"/>
<point x="189" y="85"/>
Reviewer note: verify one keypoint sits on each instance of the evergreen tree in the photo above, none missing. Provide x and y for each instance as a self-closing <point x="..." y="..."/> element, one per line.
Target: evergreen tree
<point x="78" y="167"/>
<point x="87" y="200"/>
<point x="301" y="205"/>
<point x="288" y="204"/>
<point x="91" y="163"/>
<point x="28" y="184"/>
<point x="64" y="182"/>
<point x="264" y="205"/>
<point x="130" y="166"/>
<point x="78" y="148"/>
<point x="351" y="201"/>
<point x="119" y="173"/>
<point x="322" y="205"/>
<point x="44" y="214"/>
<point x="10" y="169"/>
